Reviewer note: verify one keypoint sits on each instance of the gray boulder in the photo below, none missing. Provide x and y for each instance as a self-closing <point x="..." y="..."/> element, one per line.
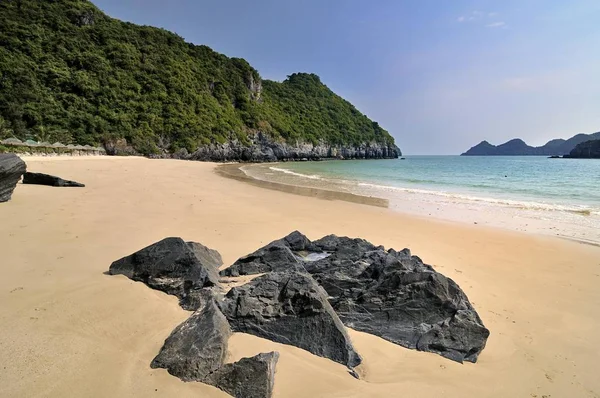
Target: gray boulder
<point x="277" y="256"/>
<point x="197" y="347"/>
<point x="46" y="179"/>
<point x="391" y="294"/>
<point x="290" y="308"/>
<point x="175" y="267"/>
<point x="11" y="170"/>
<point x="248" y="378"/>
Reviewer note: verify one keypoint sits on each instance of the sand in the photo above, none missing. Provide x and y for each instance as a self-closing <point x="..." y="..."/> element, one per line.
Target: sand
<point x="67" y="329"/>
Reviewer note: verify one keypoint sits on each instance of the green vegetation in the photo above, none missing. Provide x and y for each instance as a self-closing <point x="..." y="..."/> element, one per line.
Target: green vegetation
<point x="69" y="73"/>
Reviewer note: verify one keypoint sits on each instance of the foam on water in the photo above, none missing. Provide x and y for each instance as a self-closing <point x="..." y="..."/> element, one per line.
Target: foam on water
<point x="286" y="171"/>
<point x="560" y="197"/>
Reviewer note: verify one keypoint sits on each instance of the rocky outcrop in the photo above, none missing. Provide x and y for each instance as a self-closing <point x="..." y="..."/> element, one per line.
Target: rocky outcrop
<point x="197" y="347"/>
<point x="275" y="257"/>
<point x="46" y="179"/>
<point x="11" y="170"/>
<point x="290" y="308"/>
<point x="247" y="378"/>
<point x="586" y="150"/>
<point x="518" y="147"/>
<point x="308" y="292"/>
<point x="390" y="294"/>
<point x="263" y="148"/>
<point x="175" y="267"/>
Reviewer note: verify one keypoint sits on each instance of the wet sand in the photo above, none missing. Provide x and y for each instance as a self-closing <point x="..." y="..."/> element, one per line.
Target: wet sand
<point x="67" y="329"/>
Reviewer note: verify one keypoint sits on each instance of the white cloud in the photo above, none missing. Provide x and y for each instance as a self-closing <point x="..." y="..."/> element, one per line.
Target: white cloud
<point x="492" y="14"/>
<point x="496" y="25"/>
<point x="473" y="16"/>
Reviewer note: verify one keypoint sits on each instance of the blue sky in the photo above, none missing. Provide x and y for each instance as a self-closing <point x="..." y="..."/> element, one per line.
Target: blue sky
<point x="439" y="75"/>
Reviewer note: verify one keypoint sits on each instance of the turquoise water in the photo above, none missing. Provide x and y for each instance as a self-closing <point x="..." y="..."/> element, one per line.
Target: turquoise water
<point x="531" y="182"/>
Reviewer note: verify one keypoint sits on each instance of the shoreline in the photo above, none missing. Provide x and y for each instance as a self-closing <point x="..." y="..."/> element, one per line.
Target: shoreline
<point x="409" y="204"/>
<point x="70" y="330"/>
<point x="234" y="171"/>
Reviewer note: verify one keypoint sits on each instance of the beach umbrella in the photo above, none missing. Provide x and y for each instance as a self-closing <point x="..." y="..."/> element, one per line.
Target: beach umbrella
<point x="31" y="143"/>
<point x="12" y="141"/>
<point x="58" y="145"/>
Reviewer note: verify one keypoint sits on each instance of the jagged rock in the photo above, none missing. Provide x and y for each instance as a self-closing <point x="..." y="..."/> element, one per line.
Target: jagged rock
<point x="274" y="257"/>
<point x="290" y="308"/>
<point x="175" y="267"/>
<point x="46" y="179"/>
<point x="197" y="347"/>
<point x="248" y="378"/>
<point x="11" y="170"/>
<point x="391" y="294"/>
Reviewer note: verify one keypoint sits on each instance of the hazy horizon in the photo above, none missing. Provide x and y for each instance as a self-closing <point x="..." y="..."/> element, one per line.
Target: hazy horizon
<point x="439" y="77"/>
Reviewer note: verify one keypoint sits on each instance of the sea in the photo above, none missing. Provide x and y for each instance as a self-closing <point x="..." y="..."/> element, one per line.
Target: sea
<point x="559" y="197"/>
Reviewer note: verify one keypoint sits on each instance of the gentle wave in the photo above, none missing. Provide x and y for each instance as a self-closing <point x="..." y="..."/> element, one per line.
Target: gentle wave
<point x="583" y="210"/>
<point x="507" y="202"/>
<point x="286" y="171"/>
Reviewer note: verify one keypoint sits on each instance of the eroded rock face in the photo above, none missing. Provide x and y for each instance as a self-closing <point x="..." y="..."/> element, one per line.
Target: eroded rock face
<point x="175" y="267"/>
<point x="263" y="148"/>
<point x="11" y="170"/>
<point x="197" y="347"/>
<point x="247" y="378"/>
<point x="275" y="257"/>
<point x="290" y="308"/>
<point x="46" y="179"/>
<point x="390" y="294"/>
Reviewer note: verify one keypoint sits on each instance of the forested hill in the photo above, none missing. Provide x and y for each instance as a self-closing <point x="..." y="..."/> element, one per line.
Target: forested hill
<point x="70" y="73"/>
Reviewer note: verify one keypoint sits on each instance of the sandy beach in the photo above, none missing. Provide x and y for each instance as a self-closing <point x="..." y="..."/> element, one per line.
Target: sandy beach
<point x="67" y="329"/>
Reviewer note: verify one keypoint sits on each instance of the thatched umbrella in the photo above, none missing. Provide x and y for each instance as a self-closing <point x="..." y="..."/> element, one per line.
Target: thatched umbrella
<point x="12" y="141"/>
<point x="31" y="143"/>
<point x="58" y="145"/>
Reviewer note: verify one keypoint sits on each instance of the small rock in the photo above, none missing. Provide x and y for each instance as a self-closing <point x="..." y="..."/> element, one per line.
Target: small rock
<point x="46" y="179"/>
<point x="248" y="378"/>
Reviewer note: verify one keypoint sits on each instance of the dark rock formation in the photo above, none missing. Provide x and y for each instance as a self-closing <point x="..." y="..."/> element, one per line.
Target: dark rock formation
<point x="518" y="147"/>
<point x="264" y="149"/>
<point x="45" y="179"/>
<point x="390" y="294"/>
<point x="290" y="308"/>
<point x="197" y="347"/>
<point x="248" y="378"/>
<point x="586" y="150"/>
<point x="276" y="256"/>
<point x="11" y="170"/>
<point x="175" y="267"/>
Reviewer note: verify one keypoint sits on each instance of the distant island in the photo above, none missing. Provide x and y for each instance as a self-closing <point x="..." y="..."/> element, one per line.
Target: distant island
<point x="586" y="150"/>
<point x="518" y="147"/>
<point x="73" y="75"/>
